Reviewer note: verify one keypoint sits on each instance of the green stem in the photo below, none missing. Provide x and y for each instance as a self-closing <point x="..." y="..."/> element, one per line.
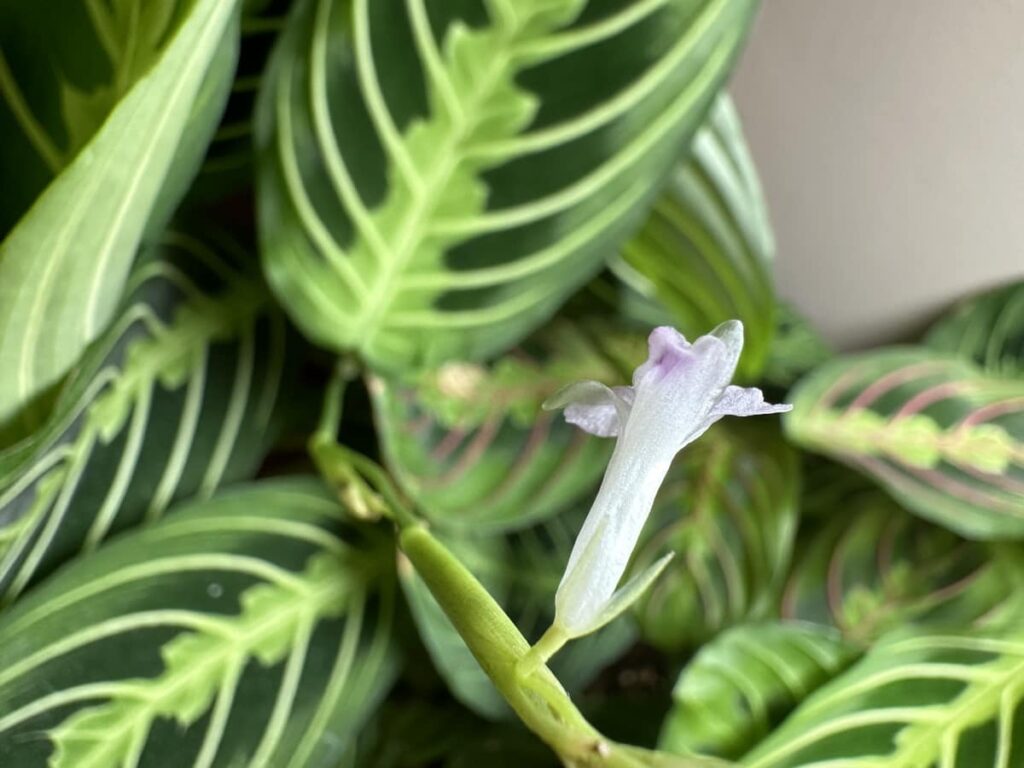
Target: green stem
<point x="550" y="643"/>
<point x="539" y="700"/>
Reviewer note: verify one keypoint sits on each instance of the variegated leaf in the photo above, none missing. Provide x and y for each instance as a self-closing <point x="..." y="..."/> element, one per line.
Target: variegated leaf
<point x="944" y="439"/>
<point x="254" y="628"/>
<point x="916" y="700"/>
<point x="178" y="397"/>
<point x="436" y="178"/>
<point x="133" y="147"/>
<point x="729" y="512"/>
<point x="705" y="252"/>
<point x="742" y="683"/>
<point x="870" y="566"/>
<point x="470" y="444"/>
<point x="988" y="329"/>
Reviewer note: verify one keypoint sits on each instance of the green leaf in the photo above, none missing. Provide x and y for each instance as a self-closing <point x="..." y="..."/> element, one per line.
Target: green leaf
<point x="944" y="439"/>
<point x="228" y="167"/>
<point x="729" y="511"/>
<point x="471" y="445"/>
<point x="915" y="701"/>
<point x="705" y="252"/>
<point x="415" y="734"/>
<point x="796" y="349"/>
<point x="872" y="567"/>
<point x="64" y="265"/>
<point x="436" y="181"/>
<point x="745" y="681"/>
<point x="183" y="393"/>
<point x="988" y="329"/>
<point x="522" y="573"/>
<point x="252" y="628"/>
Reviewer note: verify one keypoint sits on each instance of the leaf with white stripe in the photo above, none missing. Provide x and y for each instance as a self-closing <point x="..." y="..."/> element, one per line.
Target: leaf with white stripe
<point x="917" y="700"/>
<point x="945" y="439"/>
<point x="64" y="265"/>
<point x="437" y="178"/>
<point x="705" y="252"/>
<point x="741" y="684"/>
<point x="183" y="393"/>
<point x="253" y="629"/>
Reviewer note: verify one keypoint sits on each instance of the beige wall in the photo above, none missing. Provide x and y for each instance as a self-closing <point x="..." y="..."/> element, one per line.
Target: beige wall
<point x="890" y="139"/>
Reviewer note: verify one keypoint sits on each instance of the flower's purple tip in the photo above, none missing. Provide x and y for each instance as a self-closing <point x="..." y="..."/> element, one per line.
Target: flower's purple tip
<point x="668" y="350"/>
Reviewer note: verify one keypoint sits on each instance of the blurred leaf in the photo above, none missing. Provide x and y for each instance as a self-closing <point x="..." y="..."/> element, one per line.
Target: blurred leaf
<point x="705" y="252"/>
<point x="63" y="267"/>
<point x="796" y="349"/>
<point x="228" y="167"/>
<point x="254" y="626"/>
<point x="418" y="734"/>
<point x="729" y="511"/>
<point x="436" y="181"/>
<point x="745" y="681"/>
<point x="874" y="567"/>
<point x="522" y="573"/>
<point x="470" y="444"/>
<point x="989" y="329"/>
<point x="176" y="398"/>
<point x="943" y="438"/>
<point x="915" y="700"/>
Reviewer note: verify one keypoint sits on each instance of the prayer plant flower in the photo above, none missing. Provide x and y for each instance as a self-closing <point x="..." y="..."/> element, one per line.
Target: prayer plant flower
<point x="680" y="391"/>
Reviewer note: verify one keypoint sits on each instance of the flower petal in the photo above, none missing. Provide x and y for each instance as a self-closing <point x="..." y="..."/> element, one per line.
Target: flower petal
<point x="593" y="407"/>
<point x="744" y="401"/>
<point x="668" y="349"/>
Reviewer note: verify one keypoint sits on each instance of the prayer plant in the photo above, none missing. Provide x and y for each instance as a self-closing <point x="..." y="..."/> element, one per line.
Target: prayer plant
<point x="288" y="290"/>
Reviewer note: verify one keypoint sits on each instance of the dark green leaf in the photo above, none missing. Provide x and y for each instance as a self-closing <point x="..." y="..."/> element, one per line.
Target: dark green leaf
<point x="871" y="567"/>
<point x="705" y="253"/>
<point x="796" y="349"/>
<point x="437" y="178"/>
<point x="951" y="700"/>
<point x="64" y="265"/>
<point x="988" y="329"/>
<point x="944" y="439"/>
<point x="252" y="628"/>
<point x="178" y="397"/>
<point x="729" y="512"/>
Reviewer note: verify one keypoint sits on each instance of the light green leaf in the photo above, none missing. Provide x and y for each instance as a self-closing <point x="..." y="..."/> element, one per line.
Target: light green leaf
<point x="917" y="700"/>
<point x="63" y="267"/>
<point x="729" y="511"/>
<point x="944" y="439"/>
<point x="705" y="252"/>
<point x="435" y="183"/>
<point x="253" y="628"/>
<point x="988" y="329"/>
<point x="471" y="445"/>
<point x="183" y="393"/>
<point x="744" y="681"/>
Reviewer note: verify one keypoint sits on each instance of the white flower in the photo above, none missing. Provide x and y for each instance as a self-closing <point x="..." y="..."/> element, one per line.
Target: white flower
<point x="676" y="395"/>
